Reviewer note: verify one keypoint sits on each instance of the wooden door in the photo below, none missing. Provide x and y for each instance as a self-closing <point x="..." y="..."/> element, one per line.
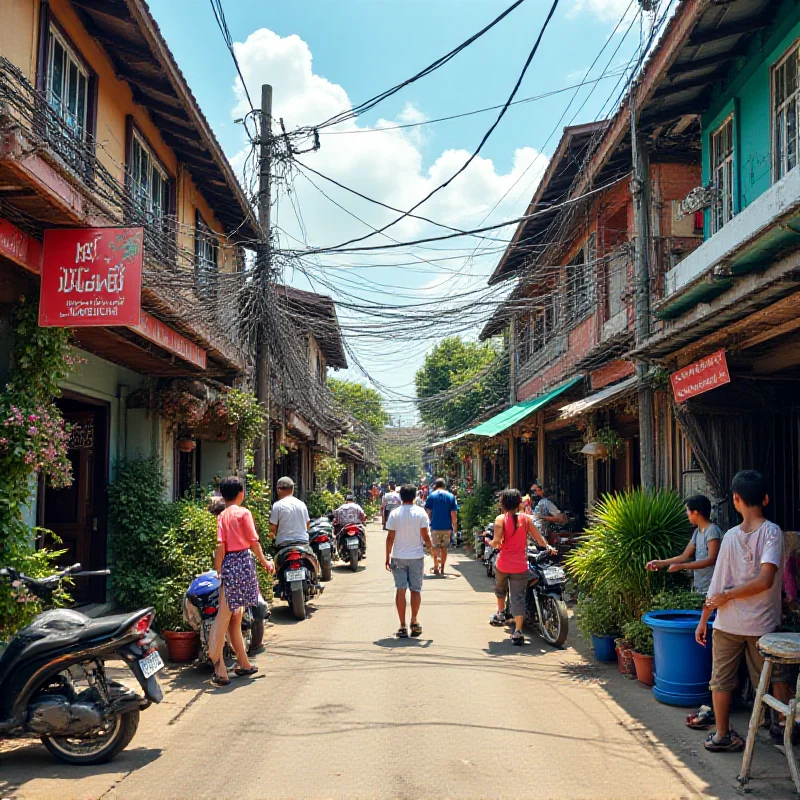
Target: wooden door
<point x="76" y="513"/>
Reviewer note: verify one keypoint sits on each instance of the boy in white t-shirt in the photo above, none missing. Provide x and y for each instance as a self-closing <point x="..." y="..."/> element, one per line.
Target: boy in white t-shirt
<point x="746" y="592"/>
<point x="405" y="556"/>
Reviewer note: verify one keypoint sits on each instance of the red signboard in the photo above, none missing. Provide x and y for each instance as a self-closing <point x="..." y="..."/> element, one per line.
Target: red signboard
<point x="154" y="330"/>
<point x="91" y="276"/>
<point x="702" y="376"/>
<point x="20" y="247"/>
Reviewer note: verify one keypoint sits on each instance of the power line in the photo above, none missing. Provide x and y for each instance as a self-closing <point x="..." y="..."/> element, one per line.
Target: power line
<point x="219" y="15"/>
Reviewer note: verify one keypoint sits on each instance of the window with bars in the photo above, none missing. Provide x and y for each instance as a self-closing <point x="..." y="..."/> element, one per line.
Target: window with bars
<point x="785" y="92"/>
<point x="722" y="174"/>
<point x="579" y="286"/>
<point x="149" y="182"/>
<point x="67" y="84"/>
<point x="206" y="258"/>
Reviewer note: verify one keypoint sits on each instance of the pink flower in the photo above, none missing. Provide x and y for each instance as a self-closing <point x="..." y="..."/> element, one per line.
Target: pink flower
<point x="33" y="431"/>
<point x="32" y="417"/>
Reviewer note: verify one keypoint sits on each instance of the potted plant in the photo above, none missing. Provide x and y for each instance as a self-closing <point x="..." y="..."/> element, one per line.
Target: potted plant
<point x="598" y="621"/>
<point x="641" y="640"/>
<point x="182" y="642"/>
<point x="186" y="445"/>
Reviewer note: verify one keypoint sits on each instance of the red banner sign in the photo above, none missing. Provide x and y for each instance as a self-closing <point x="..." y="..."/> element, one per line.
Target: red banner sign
<point x="155" y="331"/>
<point x="20" y="247"/>
<point x="702" y="376"/>
<point x="91" y="277"/>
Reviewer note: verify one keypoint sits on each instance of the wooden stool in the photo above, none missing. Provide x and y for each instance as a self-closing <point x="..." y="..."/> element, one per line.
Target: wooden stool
<point x="777" y="648"/>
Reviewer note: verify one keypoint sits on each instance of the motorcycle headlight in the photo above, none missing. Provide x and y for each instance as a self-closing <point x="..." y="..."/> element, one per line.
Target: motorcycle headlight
<point x="554" y="575"/>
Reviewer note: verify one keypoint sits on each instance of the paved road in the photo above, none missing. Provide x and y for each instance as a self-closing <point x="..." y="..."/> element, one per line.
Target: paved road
<point x="344" y="710"/>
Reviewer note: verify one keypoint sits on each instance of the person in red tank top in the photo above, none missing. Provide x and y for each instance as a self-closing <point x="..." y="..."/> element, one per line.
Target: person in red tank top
<point x="511" y="531"/>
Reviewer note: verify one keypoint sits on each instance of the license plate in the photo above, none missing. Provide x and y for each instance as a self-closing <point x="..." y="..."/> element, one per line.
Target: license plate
<point x="295" y="575"/>
<point x="151" y="664"/>
<point x="352" y="544"/>
<point x="324" y="547"/>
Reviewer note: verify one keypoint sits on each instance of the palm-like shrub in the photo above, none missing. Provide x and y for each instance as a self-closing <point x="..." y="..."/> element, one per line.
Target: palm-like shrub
<point x="626" y="531"/>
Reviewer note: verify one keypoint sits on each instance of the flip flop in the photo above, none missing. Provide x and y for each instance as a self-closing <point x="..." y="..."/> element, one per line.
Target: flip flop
<point x="416" y="629"/>
<point x="217" y="680"/>
<point x="245" y="673"/>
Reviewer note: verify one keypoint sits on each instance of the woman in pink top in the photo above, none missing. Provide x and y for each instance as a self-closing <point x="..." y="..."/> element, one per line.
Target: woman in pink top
<point x="236" y="538"/>
<point x="511" y="531"/>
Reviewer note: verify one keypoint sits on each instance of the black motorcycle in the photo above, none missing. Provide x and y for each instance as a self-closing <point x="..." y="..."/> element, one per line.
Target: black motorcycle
<point x="351" y="543"/>
<point x="53" y="683"/>
<point x="320" y="535"/>
<point x="545" y="609"/>
<point x="297" y="576"/>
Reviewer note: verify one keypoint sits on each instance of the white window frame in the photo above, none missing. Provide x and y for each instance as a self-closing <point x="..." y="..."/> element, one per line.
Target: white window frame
<point x="780" y="114"/>
<point x="78" y="123"/>
<point x="206" y="257"/>
<point x="722" y="174"/>
<point x="144" y="197"/>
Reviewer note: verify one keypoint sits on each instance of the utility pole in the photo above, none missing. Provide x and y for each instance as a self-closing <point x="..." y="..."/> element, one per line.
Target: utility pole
<point x="263" y="455"/>
<point x="640" y="189"/>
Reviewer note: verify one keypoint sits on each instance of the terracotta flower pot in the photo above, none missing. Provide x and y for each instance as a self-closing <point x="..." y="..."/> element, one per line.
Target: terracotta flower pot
<point x="644" y="668"/>
<point x="625" y="663"/>
<point x="182" y="645"/>
<point x="186" y="445"/>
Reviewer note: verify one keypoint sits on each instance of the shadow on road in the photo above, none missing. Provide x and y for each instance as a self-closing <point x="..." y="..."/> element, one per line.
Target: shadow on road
<point x="475" y="573"/>
<point x="33" y="762"/>
<point x="282" y="613"/>
<point x="393" y="642"/>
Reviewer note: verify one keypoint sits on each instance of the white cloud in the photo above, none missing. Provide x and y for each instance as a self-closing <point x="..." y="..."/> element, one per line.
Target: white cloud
<point x="606" y="10"/>
<point x="388" y="166"/>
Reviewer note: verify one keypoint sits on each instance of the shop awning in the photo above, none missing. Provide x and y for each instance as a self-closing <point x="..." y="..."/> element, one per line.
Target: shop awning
<point x="449" y="439"/>
<point x="598" y="400"/>
<point x="511" y="416"/>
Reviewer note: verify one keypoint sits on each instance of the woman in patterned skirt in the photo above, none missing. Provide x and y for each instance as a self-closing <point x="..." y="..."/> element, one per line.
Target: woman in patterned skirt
<point x="236" y="539"/>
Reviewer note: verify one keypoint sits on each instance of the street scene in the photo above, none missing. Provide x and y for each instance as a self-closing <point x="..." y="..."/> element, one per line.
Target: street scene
<point x="399" y="400"/>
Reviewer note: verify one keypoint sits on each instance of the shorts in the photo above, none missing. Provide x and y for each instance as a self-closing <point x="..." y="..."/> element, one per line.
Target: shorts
<point x="726" y="655"/>
<point x="513" y="584"/>
<point x="440" y="538"/>
<point x="408" y="573"/>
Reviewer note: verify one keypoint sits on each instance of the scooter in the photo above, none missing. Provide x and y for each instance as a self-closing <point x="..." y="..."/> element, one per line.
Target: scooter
<point x="297" y="576"/>
<point x="320" y="535"/>
<point x="351" y="544"/>
<point x="53" y="683"/>
<point x="490" y="553"/>
<point x="200" y="607"/>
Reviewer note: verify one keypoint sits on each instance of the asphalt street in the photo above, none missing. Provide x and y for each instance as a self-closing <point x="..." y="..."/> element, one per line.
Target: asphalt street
<point x="342" y="709"/>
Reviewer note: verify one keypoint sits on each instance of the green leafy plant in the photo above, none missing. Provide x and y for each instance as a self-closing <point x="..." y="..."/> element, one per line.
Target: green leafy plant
<point x="611" y="440"/>
<point x="476" y="507"/>
<point x="626" y="531"/>
<point x="246" y="416"/>
<point x="677" y="599"/>
<point x="598" y="614"/>
<point x="639" y="636"/>
<point x="321" y="503"/>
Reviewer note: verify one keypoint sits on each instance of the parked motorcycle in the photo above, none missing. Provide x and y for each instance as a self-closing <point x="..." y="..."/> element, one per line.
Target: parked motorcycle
<point x="297" y="573"/>
<point x="545" y="609"/>
<point x="489" y="553"/>
<point x="53" y="683"/>
<point x="200" y="607"/>
<point x="351" y="544"/>
<point x="321" y="538"/>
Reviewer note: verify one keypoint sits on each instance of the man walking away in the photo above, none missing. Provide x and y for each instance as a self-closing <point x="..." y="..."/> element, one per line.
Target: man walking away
<point x="443" y="514"/>
<point x="391" y="501"/>
<point x="405" y="556"/>
<point x="288" y="519"/>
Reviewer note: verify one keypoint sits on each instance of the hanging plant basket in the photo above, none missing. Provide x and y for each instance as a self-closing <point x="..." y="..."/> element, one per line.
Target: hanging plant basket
<point x="186" y="445"/>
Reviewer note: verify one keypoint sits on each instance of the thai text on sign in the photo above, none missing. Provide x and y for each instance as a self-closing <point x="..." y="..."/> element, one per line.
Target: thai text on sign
<point x="91" y="276"/>
<point x="701" y="376"/>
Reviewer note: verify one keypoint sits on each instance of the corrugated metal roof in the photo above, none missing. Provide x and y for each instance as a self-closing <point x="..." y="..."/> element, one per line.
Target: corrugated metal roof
<point x="598" y="399"/>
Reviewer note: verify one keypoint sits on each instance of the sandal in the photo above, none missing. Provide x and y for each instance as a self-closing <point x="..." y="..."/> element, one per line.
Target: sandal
<point x="777" y="731"/>
<point x="498" y="620"/>
<point x="218" y="680"/>
<point x="702" y="720"/>
<point x="518" y="638"/>
<point x="416" y="629"/>
<point x="245" y="673"/>
<point x="402" y="633"/>
<point x="732" y="743"/>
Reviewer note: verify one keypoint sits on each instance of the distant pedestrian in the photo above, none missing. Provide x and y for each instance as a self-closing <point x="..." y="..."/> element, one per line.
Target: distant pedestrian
<point x="545" y="512"/>
<point x="405" y="556"/>
<point x="511" y="531"/>
<point x="236" y="539"/>
<point x="391" y="501"/>
<point x="700" y="554"/>
<point x="442" y="511"/>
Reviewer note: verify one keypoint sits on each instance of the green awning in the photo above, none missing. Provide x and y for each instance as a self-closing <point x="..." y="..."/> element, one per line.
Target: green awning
<point x="450" y="439"/>
<point x="511" y="416"/>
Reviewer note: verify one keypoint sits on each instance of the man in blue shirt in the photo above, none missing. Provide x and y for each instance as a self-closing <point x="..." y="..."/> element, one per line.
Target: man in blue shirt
<point x="443" y="513"/>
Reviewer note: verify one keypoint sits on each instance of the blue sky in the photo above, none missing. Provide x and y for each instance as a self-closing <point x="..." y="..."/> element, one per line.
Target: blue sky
<point x="321" y="54"/>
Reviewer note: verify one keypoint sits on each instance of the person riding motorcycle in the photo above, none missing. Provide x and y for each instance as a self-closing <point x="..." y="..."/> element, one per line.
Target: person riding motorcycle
<point x="546" y="513"/>
<point x="348" y="513"/>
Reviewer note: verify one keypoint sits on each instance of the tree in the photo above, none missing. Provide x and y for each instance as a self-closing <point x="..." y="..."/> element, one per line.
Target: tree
<point x="400" y="462"/>
<point x="482" y="369"/>
<point x="362" y="402"/>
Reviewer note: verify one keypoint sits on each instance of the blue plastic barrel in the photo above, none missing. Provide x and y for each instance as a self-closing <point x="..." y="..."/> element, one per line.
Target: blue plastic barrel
<point x="682" y="666"/>
<point x="604" y="648"/>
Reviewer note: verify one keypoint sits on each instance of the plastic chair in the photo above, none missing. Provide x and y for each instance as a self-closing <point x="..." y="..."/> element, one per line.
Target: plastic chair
<point x="777" y="648"/>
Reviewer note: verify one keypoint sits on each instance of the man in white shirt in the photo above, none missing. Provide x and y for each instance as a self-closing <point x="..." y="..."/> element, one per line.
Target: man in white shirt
<point x="746" y="592"/>
<point x="288" y="519"/>
<point x="405" y="556"/>
<point x="391" y="501"/>
<point x="349" y="513"/>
